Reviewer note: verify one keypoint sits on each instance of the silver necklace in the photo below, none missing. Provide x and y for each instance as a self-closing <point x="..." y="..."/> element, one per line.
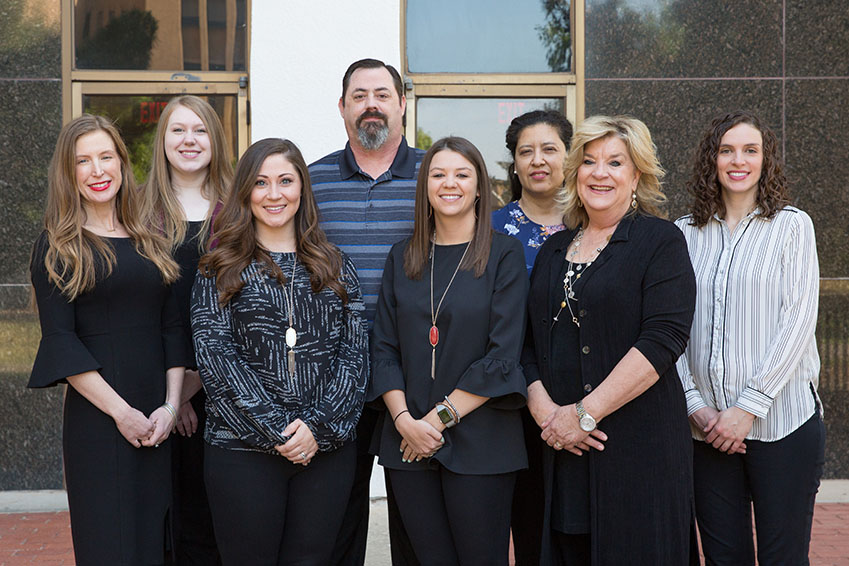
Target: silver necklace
<point x="573" y="273"/>
<point x="291" y="333"/>
<point x="433" y="334"/>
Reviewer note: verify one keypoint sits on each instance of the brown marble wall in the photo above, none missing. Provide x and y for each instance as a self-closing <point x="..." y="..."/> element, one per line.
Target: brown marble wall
<point x="30" y="119"/>
<point x="676" y="63"/>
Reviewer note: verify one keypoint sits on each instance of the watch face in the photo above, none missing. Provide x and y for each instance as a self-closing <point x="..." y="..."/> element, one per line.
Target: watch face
<point x="587" y="423"/>
<point x="444" y="414"/>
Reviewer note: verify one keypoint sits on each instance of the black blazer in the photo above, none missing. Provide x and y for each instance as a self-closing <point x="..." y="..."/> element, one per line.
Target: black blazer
<point x="639" y="293"/>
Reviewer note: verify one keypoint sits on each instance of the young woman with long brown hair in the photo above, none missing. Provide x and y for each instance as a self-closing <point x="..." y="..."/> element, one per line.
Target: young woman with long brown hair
<point x="190" y="175"/>
<point x="751" y="387"/>
<point x="111" y="330"/>
<point x="447" y="339"/>
<point x="282" y="351"/>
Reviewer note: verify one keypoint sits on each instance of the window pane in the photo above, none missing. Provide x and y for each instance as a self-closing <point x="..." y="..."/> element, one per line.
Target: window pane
<point x="164" y="35"/>
<point x="483" y="121"/>
<point x="137" y="116"/>
<point x="488" y="36"/>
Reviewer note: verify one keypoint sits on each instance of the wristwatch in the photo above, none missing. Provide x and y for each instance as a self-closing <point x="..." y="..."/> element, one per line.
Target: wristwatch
<point x="586" y="420"/>
<point x="445" y="415"/>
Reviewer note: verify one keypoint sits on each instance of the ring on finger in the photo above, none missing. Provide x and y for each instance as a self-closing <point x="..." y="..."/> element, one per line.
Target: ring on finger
<point x="303" y="455"/>
<point x="558" y="445"/>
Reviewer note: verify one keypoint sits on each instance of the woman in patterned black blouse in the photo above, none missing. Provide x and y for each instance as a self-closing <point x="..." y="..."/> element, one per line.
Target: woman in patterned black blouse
<point x="283" y="355"/>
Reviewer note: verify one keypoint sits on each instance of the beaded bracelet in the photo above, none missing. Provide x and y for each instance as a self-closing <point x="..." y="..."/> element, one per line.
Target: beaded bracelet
<point x="453" y="409"/>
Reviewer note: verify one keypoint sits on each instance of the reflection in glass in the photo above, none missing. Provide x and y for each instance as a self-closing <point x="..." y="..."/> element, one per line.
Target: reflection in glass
<point x="489" y="36"/>
<point x="483" y="121"/>
<point x="204" y="35"/>
<point x="137" y="115"/>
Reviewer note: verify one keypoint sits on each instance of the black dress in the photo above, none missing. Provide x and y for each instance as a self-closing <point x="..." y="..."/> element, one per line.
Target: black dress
<point x="194" y="536"/>
<point x="127" y="328"/>
<point x="481" y="325"/>
<point x="639" y="293"/>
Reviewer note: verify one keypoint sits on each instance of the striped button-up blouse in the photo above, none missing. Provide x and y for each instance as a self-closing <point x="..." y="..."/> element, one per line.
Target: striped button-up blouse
<point x="752" y="342"/>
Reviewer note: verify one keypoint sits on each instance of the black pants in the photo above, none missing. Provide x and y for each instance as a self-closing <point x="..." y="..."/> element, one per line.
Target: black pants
<point x="268" y="511"/>
<point x="529" y="498"/>
<point x="350" y="546"/>
<point x="194" y="535"/>
<point x="571" y="550"/>
<point x="780" y="478"/>
<point x="456" y="519"/>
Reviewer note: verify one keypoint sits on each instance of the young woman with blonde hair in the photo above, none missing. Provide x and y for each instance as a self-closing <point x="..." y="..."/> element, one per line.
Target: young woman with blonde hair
<point x="110" y="329"/>
<point x="189" y="178"/>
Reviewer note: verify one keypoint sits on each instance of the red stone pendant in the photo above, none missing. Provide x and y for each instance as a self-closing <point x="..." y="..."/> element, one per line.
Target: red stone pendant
<point x="434" y="336"/>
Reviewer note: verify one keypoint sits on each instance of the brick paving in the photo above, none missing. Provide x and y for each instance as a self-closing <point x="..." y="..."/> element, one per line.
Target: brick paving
<point x="45" y="538"/>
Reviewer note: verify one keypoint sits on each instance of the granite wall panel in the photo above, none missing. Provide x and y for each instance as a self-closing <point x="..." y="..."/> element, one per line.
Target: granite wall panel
<point x="682" y="38"/>
<point x="817" y="38"/>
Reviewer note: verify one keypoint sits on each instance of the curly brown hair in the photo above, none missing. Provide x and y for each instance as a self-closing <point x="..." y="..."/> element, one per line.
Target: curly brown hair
<point x="237" y="244"/>
<point x="704" y="186"/>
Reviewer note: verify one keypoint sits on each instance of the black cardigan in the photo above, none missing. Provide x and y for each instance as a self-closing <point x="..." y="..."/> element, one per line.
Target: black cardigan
<point x="640" y="293"/>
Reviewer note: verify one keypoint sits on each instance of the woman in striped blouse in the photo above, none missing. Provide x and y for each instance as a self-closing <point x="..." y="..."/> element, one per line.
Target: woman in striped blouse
<point x="751" y="369"/>
<point x="282" y="352"/>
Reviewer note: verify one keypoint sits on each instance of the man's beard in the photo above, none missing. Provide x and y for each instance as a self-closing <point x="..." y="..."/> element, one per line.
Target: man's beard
<point x="372" y="135"/>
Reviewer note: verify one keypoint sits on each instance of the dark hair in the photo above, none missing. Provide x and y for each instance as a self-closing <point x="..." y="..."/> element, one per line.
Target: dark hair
<point x="236" y="234"/>
<point x="772" y="193"/>
<point x="549" y="117"/>
<point x="416" y="254"/>
<point x="372" y="64"/>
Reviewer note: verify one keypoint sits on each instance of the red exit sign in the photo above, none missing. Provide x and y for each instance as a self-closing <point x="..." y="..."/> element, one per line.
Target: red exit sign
<point x="149" y="111"/>
<point x="509" y="110"/>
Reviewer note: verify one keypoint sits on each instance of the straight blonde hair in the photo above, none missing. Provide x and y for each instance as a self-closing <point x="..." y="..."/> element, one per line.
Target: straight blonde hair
<point x="160" y="206"/>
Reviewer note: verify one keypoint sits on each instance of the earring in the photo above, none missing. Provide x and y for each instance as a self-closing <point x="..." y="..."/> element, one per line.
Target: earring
<point x="634" y="199"/>
<point x="477" y="202"/>
<point x="429" y="211"/>
<point x="580" y="204"/>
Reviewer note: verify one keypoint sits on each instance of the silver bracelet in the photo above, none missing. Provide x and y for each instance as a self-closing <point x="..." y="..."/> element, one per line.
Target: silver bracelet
<point x="453" y="408"/>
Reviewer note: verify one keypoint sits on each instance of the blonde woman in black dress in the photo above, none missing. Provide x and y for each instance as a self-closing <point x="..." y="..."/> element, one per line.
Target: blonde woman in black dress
<point x="110" y="329"/>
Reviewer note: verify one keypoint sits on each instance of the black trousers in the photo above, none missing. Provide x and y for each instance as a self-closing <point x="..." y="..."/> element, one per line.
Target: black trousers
<point x="268" y="511"/>
<point x="194" y="536"/>
<point x="350" y="546"/>
<point x="456" y="519"/>
<point x="780" y="479"/>
<point x="529" y="498"/>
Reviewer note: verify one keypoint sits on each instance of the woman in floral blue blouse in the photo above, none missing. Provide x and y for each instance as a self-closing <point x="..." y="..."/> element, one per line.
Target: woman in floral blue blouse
<point x="538" y="142"/>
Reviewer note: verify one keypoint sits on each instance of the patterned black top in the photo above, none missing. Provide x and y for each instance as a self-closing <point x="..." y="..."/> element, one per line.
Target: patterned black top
<point x="241" y="355"/>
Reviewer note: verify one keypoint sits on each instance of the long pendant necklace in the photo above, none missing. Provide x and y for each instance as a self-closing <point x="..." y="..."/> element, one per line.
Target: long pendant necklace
<point x="433" y="335"/>
<point x="573" y="273"/>
<point x="291" y="333"/>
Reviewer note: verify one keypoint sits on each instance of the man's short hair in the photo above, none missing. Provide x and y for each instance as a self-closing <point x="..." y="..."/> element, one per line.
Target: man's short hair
<point x="372" y="64"/>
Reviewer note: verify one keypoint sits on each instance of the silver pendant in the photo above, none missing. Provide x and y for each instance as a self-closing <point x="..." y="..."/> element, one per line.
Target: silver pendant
<point x="291" y="337"/>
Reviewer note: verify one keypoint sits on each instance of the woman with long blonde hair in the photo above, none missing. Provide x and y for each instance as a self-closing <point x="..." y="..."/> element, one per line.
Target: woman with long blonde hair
<point x="110" y="329"/>
<point x="189" y="178"/>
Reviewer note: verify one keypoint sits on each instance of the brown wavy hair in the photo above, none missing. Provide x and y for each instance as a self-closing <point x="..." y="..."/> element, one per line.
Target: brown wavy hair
<point x="418" y="250"/>
<point x="704" y="186"/>
<point x="75" y="257"/>
<point x="160" y="205"/>
<point x="235" y="232"/>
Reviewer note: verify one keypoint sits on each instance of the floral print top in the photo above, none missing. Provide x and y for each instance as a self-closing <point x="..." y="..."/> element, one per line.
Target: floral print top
<point x="511" y="220"/>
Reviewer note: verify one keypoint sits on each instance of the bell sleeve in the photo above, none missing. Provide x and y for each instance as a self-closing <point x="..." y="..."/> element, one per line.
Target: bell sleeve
<point x="60" y="351"/>
<point x="339" y="399"/>
<point x="235" y="390"/>
<point x="498" y="374"/>
<point x="387" y="373"/>
<point x="176" y="342"/>
<point x="669" y="301"/>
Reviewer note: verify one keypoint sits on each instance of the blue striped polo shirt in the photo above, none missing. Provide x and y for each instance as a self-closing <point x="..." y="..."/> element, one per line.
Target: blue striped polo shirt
<point x="365" y="216"/>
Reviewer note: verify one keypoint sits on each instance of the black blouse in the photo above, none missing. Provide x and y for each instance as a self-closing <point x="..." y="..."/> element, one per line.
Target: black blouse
<point x="242" y="358"/>
<point x="481" y="327"/>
